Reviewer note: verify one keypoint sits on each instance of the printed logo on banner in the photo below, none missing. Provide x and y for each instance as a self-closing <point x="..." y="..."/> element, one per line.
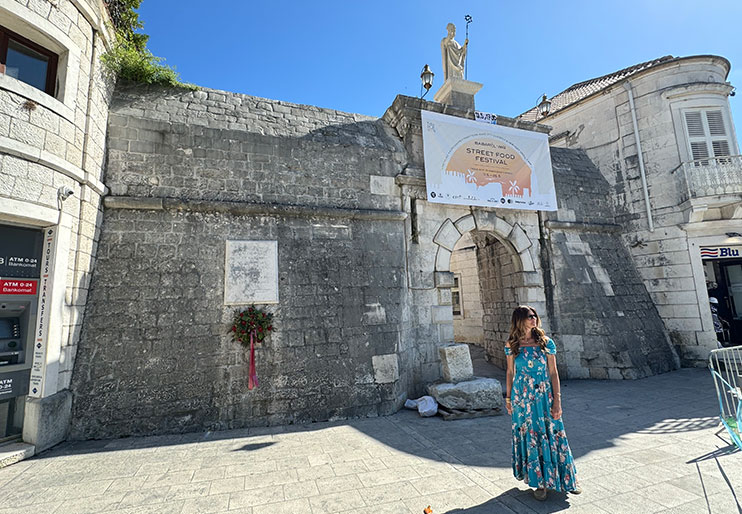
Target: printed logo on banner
<point x="485" y="117"/>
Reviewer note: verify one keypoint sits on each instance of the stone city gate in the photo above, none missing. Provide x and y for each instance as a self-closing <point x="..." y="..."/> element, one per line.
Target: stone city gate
<point x="507" y="274"/>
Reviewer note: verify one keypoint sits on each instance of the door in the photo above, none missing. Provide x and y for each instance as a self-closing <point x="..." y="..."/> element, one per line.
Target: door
<point x="733" y="278"/>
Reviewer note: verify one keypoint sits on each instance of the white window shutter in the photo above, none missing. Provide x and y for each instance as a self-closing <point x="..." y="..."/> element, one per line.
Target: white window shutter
<point x="699" y="149"/>
<point x="707" y="135"/>
<point x="694" y="124"/>
<point x="716" y="123"/>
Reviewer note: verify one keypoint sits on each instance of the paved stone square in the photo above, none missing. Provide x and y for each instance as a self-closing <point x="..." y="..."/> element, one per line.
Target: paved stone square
<point x="644" y="446"/>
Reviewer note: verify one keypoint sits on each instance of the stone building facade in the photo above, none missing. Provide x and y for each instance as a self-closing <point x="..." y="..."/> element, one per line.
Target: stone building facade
<point x="662" y="135"/>
<point x="52" y="140"/>
<point x="365" y="264"/>
<point x="364" y="267"/>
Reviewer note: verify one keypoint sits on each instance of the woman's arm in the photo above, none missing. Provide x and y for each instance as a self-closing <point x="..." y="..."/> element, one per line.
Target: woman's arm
<point x="556" y="387"/>
<point x="509" y="383"/>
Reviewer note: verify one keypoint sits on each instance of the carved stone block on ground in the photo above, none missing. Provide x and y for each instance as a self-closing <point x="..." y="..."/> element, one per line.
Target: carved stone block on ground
<point x="479" y="393"/>
<point x="456" y="363"/>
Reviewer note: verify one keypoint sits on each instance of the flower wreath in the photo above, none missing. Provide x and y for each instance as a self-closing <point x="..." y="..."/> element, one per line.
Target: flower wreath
<point x="251" y="325"/>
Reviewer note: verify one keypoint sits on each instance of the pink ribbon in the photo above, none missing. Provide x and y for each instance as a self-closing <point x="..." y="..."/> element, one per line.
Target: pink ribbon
<point x="253" y="375"/>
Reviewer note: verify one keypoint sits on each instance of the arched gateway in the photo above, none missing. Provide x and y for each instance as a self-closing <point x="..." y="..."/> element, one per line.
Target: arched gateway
<point x="507" y="260"/>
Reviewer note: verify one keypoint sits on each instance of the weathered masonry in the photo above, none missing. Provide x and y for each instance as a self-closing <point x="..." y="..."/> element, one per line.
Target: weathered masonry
<point x="118" y="206"/>
<point x="363" y="267"/>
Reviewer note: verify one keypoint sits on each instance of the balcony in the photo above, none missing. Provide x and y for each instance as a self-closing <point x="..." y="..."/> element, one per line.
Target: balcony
<point x="713" y="176"/>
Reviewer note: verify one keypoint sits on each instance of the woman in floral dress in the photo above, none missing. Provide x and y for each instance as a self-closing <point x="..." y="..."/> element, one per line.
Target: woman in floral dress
<point x="541" y="454"/>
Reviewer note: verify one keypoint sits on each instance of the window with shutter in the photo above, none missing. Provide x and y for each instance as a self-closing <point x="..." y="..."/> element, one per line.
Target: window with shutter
<point x="707" y="136"/>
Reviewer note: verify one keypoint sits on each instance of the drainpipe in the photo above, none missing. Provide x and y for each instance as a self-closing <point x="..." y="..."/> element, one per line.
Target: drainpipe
<point x="74" y="297"/>
<point x="627" y="85"/>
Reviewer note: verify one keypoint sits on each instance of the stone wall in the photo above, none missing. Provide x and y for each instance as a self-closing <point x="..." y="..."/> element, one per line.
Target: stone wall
<point x="603" y="319"/>
<point x="191" y="170"/>
<point x="499" y="279"/>
<point x="364" y="267"/>
<point x="157" y="355"/>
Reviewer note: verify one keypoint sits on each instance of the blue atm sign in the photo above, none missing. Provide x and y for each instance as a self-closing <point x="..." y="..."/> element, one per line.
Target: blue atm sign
<point x="721" y="252"/>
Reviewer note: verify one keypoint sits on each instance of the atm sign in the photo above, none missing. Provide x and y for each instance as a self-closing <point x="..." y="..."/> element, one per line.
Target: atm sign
<point x="18" y="286"/>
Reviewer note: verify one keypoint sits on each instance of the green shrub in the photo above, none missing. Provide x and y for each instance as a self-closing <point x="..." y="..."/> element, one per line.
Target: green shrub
<point x="129" y="57"/>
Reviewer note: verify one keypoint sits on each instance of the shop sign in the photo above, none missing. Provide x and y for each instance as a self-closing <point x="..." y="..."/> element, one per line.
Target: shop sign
<point x="15" y="286"/>
<point x="41" y="335"/>
<point x="20" y="251"/>
<point x="13" y="384"/>
<point x="721" y="252"/>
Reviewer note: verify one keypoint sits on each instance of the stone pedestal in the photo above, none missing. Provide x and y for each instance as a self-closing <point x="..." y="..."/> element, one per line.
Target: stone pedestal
<point x="458" y="92"/>
<point x="456" y="363"/>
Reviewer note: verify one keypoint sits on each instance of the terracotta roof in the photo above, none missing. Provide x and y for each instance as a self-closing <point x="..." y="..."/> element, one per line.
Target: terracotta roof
<point x="581" y="90"/>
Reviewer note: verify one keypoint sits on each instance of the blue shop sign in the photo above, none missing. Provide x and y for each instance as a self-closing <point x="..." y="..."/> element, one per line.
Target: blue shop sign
<point x="721" y="252"/>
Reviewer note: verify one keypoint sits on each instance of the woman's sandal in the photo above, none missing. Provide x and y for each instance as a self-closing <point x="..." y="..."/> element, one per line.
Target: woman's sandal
<point x="576" y="490"/>
<point x="540" y="494"/>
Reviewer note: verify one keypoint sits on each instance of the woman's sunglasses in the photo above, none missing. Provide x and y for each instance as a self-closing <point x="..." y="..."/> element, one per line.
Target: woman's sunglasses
<point x="532" y="316"/>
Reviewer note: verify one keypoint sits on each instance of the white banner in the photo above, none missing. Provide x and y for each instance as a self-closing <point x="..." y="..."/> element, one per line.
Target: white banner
<point x="470" y="163"/>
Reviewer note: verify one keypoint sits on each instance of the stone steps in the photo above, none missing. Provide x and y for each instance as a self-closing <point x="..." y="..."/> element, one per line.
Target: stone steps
<point x="15" y="452"/>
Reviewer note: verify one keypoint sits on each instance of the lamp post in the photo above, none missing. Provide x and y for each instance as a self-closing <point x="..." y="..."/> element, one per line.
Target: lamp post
<point x="426" y="77"/>
<point x="544" y="107"/>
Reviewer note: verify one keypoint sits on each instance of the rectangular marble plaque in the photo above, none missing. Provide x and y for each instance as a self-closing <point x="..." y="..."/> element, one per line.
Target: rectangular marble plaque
<point x="251" y="272"/>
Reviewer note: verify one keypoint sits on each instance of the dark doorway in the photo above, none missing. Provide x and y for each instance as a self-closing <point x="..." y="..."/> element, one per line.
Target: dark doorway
<point x="724" y="282"/>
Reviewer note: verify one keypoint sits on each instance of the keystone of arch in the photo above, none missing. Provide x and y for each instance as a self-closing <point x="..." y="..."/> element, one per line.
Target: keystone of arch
<point x="490" y="222"/>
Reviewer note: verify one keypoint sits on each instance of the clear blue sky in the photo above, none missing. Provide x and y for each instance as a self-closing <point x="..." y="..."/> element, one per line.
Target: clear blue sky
<point x="356" y="56"/>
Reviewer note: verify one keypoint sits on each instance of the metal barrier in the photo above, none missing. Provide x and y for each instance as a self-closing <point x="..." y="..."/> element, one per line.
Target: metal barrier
<point x="726" y="368"/>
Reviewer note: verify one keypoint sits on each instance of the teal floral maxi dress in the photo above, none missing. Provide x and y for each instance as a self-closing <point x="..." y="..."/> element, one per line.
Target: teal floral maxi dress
<point x="541" y="454"/>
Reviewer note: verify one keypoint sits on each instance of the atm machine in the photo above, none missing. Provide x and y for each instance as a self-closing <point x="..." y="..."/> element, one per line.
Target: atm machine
<point x="20" y="256"/>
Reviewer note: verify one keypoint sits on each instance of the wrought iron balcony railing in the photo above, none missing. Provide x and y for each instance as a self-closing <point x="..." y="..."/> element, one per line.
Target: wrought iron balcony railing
<point x="712" y="176"/>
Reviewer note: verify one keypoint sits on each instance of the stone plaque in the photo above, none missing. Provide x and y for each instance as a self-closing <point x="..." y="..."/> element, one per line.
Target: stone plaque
<point x="251" y="272"/>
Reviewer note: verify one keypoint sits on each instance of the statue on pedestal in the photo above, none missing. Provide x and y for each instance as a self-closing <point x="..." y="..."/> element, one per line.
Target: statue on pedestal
<point x="454" y="55"/>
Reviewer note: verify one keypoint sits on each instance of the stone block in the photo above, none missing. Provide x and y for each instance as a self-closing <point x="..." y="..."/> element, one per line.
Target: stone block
<point x="572" y="343"/>
<point x="447" y="235"/>
<point x="527" y="261"/>
<point x="445" y="333"/>
<point x="386" y="368"/>
<point x="502" y="228"/>
<point x="479" y="393"/>
<point x="465" y="224"/>
<point x="456" y="364"/>
<point x="445" y="297"/>
<point x="380" y="185"/>
<point x="441" y="314"/>
<point x="520" y="239"/>
<point x="46" y="420"/>
<point x="443" y="279"/>
<point x="443" y="259"/>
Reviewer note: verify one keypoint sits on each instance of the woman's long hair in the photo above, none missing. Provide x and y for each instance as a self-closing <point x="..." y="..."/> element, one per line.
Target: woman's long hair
<point x="519" y="328"/>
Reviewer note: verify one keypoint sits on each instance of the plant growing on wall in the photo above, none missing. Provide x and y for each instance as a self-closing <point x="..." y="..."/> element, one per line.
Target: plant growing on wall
<point x="251" y="326"/>
<point x="129" y="57"/>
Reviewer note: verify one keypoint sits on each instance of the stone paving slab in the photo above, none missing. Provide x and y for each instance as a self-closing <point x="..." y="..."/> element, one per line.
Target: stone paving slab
<point x="644" y="446"/>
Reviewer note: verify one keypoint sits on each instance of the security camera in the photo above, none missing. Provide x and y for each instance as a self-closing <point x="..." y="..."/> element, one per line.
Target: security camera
<point x="65" y="192"/>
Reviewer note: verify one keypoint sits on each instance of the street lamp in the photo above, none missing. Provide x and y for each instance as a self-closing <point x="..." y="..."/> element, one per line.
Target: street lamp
<point x="427" y="79"/>
<point x="544" y="107"/>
